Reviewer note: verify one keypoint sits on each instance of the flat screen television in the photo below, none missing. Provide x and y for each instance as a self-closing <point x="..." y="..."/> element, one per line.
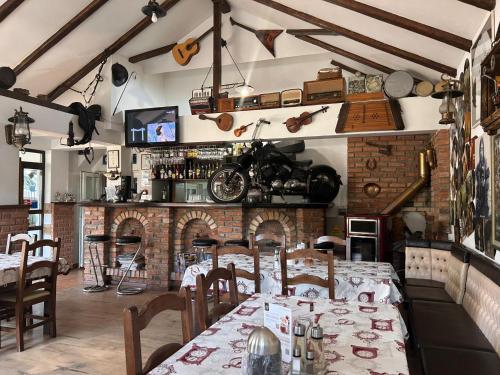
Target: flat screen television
<point x="151" y="127"/>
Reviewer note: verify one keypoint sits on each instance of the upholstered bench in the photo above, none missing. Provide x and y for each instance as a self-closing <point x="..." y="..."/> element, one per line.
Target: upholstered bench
<point x="448" y="263"/>
<point x="426" y="263"/>
<point x="462" y="339"/>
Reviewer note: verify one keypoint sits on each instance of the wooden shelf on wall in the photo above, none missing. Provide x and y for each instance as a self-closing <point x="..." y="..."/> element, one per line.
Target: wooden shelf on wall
<point x="491" y="123"/>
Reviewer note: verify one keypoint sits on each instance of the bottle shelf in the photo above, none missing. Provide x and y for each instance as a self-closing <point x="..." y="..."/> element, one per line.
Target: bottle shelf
<point x="179" y="179"/>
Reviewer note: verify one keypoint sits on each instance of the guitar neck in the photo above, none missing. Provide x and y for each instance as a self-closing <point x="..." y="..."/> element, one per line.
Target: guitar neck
<point x="202" y="36"/>
<point x="233" y="22"/>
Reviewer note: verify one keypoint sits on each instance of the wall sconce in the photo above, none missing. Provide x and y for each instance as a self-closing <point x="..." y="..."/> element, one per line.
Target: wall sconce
<point x="447" y="90"/>
<point x="18" y="133"/>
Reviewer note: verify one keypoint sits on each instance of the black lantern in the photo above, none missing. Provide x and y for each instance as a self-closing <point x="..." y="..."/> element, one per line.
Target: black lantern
<point x="154" y="10"/>
<point x="18" y="133"/>
<point x="447" y="90"/>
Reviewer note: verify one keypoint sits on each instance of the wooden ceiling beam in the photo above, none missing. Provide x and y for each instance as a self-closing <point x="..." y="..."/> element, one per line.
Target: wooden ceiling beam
<point x="311" y="32"/>
<point x="8" y="7"/>
<point x="483" y="4"/>
<point x="349" y="55"/>
<point x="442" y="68"/>
<point x="405" y="23"/>
<point x="59" y="35"/>
<point x="119" y="43"/>
<point x="152" y="53"/>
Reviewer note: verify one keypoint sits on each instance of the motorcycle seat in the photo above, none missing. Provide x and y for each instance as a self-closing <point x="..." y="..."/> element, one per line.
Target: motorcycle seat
<point x="290" y="146"/>
<point x="302" y="163"/>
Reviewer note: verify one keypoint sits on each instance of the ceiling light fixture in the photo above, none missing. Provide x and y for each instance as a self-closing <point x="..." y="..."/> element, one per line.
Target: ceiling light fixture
<point x="243" y="89"/>
<point x="154" y="10"/>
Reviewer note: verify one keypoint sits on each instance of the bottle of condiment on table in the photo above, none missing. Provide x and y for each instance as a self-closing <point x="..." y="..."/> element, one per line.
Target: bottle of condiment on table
<point x="299" y="333"/>
<point x="317" y="348"/>
<point x="309" y="367"/>
<point x="297" y="362"/>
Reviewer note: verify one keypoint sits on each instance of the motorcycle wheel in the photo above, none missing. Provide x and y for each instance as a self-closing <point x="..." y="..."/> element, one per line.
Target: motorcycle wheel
<point x="234" y="191"/>
<point x="323" y="184"/>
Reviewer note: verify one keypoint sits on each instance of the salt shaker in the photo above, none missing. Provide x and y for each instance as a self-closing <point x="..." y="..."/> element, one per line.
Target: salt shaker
<point x="317" y="348"/>
<point x="297" y="362"/>
<point x="299" y="332"/>
<point x="309" y="367"/>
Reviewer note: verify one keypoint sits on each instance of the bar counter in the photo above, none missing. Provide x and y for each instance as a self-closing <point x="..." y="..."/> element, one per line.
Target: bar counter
<point x="168" y="229"/>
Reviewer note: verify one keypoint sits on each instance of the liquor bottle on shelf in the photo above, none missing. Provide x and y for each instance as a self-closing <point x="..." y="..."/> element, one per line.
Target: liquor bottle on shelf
<point x="190" y="172"/>
<point x="169" y="171"/>
<point x="179" y="172"/>
<point x="198" y="171"/>
<point x="163" y="171"/>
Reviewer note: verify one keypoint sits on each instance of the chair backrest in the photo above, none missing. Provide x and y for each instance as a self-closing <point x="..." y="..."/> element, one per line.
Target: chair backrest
<point x="266" y="240"/>
<point x="240" y="250"/>
<point x="305" y="278"/>
<point x="482" y="297"/>
<point x="205" y="318"/>
<point x="50" y="281"/>
<point x="135" y="322"/>
<point x="18" y="238"/>
<point x="440" y="256"/>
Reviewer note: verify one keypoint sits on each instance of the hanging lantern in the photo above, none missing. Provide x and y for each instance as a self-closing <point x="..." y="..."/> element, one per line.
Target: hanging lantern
<point x="18" y="133"/>
<point x="447" y="90"/>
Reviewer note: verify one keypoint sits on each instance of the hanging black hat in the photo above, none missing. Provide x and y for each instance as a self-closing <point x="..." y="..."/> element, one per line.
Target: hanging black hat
<point x="7" y="77"/>
<point x="119" y="74"/>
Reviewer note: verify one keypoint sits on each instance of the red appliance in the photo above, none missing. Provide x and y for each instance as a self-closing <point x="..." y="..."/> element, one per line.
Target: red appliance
<point x="368" y="238"/>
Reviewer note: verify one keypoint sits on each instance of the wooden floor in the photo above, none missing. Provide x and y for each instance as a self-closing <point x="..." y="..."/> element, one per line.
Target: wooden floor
<point x="90" y="335"/>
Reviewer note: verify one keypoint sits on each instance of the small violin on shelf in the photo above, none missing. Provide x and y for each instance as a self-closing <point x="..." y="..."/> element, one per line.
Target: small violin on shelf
<point x="242" y="129"/>
<point x="293" y="124"/>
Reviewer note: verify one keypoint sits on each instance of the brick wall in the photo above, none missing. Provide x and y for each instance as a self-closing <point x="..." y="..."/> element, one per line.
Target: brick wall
<point x="13" y="219"/>
<point x="63" y="226"/>
<point x="397" y="172"/>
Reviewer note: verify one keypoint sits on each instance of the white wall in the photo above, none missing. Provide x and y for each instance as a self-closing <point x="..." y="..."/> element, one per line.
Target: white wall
<point x="56" y="174"/>
<point x="9" y="172"/>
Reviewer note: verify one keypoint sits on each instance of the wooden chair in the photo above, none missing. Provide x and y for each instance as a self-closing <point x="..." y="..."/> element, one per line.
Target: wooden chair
<point x="264" y="239"/>
<point x="204" y="317"/>
<point x="239" y="250"/>
<point x="18" y="238"/>
<point x="326" y="243"/>
<point x="305" y="278"/>
<point x="135" y="322"/>
<point x="28" y="294"/>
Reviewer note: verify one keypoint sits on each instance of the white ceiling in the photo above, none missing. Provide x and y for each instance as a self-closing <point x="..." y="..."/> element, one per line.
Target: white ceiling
<point x="36" y="20"/>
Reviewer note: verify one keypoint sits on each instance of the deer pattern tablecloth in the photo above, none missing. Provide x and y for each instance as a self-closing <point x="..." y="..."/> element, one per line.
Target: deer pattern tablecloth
<point x="359" y="338"/>
<point x="354" y="281"/>
<point x="10" y="263"/>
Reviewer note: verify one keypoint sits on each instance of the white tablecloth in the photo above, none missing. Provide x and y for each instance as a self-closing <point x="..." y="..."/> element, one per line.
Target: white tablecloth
<point x="354" y="281"/>
<point x="359" y="338"/>
<point x="10" y="263"/>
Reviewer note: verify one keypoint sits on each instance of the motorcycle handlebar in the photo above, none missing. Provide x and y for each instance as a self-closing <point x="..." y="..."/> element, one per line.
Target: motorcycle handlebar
<point x="265" y="121"/>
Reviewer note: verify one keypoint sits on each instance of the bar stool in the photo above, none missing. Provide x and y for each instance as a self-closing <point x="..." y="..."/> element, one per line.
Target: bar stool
<point x="94" y="240"/>
<point x="123" y="241"/>
<point x="242" y="243"/>
<point x="200" y="245"/>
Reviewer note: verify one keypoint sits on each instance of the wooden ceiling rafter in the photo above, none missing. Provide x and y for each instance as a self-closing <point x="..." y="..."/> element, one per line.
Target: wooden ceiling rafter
<point x="342" y="52"/>
<point x="60" y="34"/>
<point x="405" y="23"/>
<point x="296" y="32"/>
<point x="488" y="5"/>
<point x="8" y="7"/>
<point x="360" y="38"/>
<point x="117" y="45"/>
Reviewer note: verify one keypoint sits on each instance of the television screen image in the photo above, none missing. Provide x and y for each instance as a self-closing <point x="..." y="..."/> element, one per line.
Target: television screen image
<point x="151" y="126"/>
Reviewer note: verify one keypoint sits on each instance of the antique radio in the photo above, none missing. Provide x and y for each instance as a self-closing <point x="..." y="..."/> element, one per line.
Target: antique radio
<point x="324" y="91"/>
<point x="271" y="100"/>
<point x="225" y="105"/>
<point x="201" y="101"/>
<point x="329" y="73"/>
<point x="291" y="98"/>
<point x="246" y="103"/>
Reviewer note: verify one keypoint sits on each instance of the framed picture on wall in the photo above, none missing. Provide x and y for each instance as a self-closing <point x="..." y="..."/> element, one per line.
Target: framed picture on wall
<point x="495" y="148"/>
<point x="113" y="159"/>
<point x="145" y="161"/>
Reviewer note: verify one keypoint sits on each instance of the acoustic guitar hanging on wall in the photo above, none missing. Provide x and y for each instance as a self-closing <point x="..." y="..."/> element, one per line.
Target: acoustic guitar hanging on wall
<point x="266" y="37"/>
<point x="184" y="52"/>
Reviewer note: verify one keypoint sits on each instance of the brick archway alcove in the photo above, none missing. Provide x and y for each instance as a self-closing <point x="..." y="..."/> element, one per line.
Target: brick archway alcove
<point x="193" y="219"/>
<point x="269" y="220"/>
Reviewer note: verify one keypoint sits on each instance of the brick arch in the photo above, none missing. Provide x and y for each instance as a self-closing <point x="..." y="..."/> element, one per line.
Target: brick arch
<point x="274" y="215"/>
<point x="186" y="219"/>
<point x="129" y="215"/>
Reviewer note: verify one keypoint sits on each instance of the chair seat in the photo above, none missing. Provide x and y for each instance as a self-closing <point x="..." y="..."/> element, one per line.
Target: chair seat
<point x="204" y="242"/>
<point x="128" y="240"/>
<point x="427" y="294"/>
<point x="446" y="325"/>
<point x="324" y="245"/>
<point x="449" y="361"/>
<point x="424" y="282"/>
<point x="97" y="238"/>
<point x="11" y="297"/>
<point x="243" y="243"/>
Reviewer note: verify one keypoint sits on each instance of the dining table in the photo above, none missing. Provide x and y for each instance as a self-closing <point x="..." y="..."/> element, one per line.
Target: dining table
<point x="354" y="280"/>
<point x="359" y="338"/>
<point x="10" y="264"/>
